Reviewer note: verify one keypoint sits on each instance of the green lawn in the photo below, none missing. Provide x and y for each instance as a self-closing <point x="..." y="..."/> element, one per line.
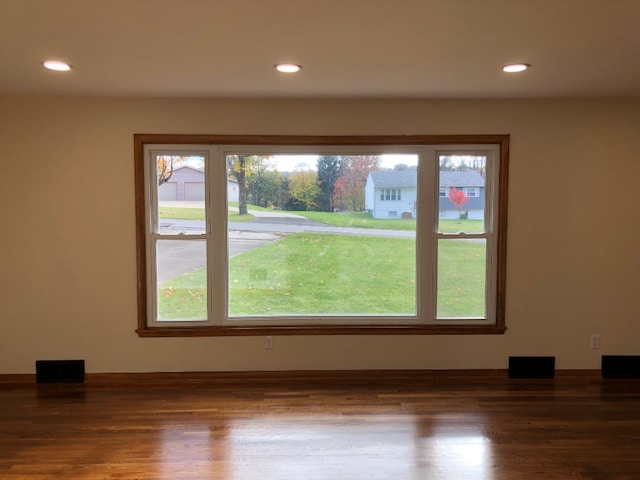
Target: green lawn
<point x="461" y="278"/>
<point x="341" y="219"/>
<point x="330" y="274"/>
<point x="252" y="207"/>
<point x="184" y="297"/>
<point x="360" y="220"/>
<point x="334" y="274"/>
<point x="365" y="220"/>
<point x="184" y="213"/>
<point x="456" y="226"/>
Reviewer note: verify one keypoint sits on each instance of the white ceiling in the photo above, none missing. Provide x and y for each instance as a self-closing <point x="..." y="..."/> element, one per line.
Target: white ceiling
<point x="347" y="48"/>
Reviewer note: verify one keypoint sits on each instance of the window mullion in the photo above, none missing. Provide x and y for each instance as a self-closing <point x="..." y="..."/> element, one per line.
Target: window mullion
<point x="217" y="252"/>
<point x="426" y="243"/>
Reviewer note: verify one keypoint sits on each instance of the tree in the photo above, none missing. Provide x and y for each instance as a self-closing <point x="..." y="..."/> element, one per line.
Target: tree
<point x="303" y="189"/>
<point x="166" y="165"/>
<point x="241" y="167"/>
<point x="457" y="197"/>
<point x="463" y="163"/>
<point x="349" y="188"/>
<point x="284" y="198"/>
<point x="265" y="187"/>
<point x="329" y="170"/>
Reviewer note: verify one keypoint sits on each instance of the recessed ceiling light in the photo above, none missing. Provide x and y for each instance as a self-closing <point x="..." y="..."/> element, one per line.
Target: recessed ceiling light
<point x="515" y="67"/>
<point x="56" y="65"/>
<point x="288" y="67"/>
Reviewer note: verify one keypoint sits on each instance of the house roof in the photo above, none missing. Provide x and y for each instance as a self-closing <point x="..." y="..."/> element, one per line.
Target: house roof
<point x="408" y="178"/>
<point x="186" y="167"/>
<point x="394" y="178"/>
<point x="470" y="178"/>
<point x="230" y="180"/>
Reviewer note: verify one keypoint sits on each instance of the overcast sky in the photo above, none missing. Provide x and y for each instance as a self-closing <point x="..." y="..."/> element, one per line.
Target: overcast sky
<point x="289" y="163"/>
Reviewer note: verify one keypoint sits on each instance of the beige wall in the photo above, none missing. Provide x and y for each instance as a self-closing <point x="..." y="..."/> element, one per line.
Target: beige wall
<point x="67" y="244"/>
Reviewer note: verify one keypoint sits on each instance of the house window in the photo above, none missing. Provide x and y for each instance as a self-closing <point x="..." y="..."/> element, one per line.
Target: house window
<point x="472" y="191"/>
<point x="390" y="194"/>
<point x="292" y="250"/>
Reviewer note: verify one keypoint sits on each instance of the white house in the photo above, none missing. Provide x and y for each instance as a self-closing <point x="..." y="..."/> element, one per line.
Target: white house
<point x="393" y="193"/>
<point x="187" y="183"/>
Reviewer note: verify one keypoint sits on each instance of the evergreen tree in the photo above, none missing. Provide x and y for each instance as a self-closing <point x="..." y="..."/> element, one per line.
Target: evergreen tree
<point x="329" y="170"/>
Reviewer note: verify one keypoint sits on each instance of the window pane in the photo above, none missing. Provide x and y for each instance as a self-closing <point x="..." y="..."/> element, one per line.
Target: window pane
<point x="461" y="278"/>
<point x="181" y="280"/>
<point x="181" y="194"/>
<point x="461" y="201"/>
<point x="323" y="242"/>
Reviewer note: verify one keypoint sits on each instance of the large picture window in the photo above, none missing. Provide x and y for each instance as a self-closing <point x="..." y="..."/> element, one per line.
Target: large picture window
<point x="263" y="235"/>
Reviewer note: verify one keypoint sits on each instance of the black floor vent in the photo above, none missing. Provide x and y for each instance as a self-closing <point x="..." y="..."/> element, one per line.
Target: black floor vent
<point x="532" y="367"/>
<point x="60" y="371"/>
<point x="621" y="366"/>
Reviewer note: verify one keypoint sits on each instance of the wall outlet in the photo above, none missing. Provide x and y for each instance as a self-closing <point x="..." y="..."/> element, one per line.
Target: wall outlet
<point x="595" y="341"/>
<point x="268" y="342"/>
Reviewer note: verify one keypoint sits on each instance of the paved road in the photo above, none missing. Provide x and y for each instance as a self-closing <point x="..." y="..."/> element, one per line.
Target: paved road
<point x="283" y="225"/>
<point x="176" y="257"/>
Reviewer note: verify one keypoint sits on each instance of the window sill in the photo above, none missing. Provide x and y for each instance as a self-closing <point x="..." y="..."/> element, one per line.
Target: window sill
<point x="321" y="330"/>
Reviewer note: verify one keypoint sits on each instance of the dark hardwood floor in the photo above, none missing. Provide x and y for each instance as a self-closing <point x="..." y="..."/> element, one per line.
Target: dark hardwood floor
<point x="322" y="429"/>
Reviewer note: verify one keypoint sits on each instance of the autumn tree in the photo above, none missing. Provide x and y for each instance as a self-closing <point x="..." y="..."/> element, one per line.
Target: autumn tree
<point x="303" y="190"/>
<point x="349" y="187"/>
<point x="329" y="170"/>
<point x="166" y="165"/>
<point x="457" y="197"/>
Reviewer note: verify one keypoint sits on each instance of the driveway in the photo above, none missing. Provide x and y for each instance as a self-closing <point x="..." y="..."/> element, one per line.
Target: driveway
<point x="176" y="257"/>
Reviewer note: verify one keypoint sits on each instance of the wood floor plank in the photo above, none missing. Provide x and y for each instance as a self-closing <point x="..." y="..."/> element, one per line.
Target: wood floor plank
<point x="317" y="430"/>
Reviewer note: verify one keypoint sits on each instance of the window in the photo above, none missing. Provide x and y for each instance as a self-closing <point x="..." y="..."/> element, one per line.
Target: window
<point x="290" y="235"/>
<point x="472" y="191"/>
<point x="390" y="194"/>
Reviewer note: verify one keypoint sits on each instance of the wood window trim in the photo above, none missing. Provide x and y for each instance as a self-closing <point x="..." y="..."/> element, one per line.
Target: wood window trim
<point x="143" y="330"/>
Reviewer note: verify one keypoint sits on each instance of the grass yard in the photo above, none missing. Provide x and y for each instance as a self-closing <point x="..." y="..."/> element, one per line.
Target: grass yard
<point x="187" y="213"/>
<point x="365" y="220"/>
<point x="325" y="274"/>
<point x="360" y="220"/>
<point x="341" y="219"/>
<point x="462" y="225"/>
<point x="181" y="213"/>
<point x="461" y="278"/>
<point x="306" y="274"/>
<point x="251" y="207"/>
<point x="184" y="297"/>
